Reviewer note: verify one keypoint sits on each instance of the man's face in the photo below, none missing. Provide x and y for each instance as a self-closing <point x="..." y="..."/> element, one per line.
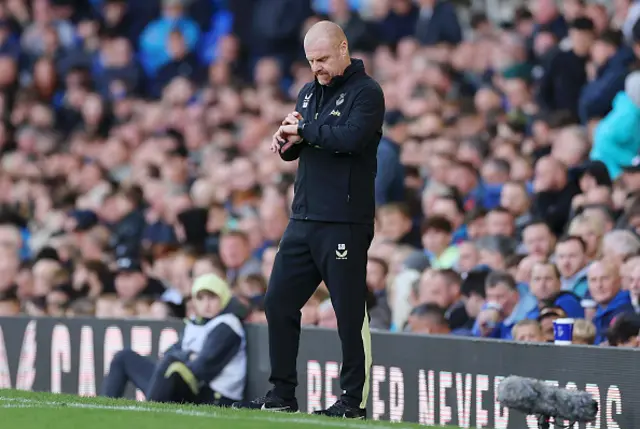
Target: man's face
<point x="375" y="275"/>
<point x="537" y="240"/>
<point x="581" y="41"/>
<point x="234" y="251"/>
<point x="499" y="223"/>
<point x="601" y="52"/>
<point x="326" y="59"/>
<point x="570" y="258"/>
<point x="544" y="282"/>
<point x="473" y="305"/>
<point x="468" y="256"/>
<point x="514" y="198"/>
<point x="634" y="282"/>
<point x="604" y="283"/>
<point x="393" y="224"/>
<point x="433" y="290"/>
<point x="504" y="296"/>
<point x="545" y="175"/>
<point x="129" y="284"/>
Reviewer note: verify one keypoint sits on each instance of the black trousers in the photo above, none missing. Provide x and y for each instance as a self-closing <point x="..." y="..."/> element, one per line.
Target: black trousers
<point x="309" y="253"/>
<point x="148" y="376"/>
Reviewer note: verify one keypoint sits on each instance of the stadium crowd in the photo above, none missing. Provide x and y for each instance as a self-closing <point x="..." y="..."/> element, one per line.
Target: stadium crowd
<point x="134" y="157"/>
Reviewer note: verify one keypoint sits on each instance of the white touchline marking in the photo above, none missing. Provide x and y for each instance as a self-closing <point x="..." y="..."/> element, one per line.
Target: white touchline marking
<point x="34" y="403"/>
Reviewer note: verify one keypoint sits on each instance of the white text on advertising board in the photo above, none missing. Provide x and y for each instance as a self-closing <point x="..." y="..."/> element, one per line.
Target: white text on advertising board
<point x="435" y="390"/>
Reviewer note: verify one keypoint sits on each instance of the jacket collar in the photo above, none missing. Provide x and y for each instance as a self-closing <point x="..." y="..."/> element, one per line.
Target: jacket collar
<point x="356" y="67"/>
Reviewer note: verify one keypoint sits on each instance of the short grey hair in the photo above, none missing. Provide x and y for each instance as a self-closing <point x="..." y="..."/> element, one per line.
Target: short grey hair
<point x="505" y="246"/>
<point x="626" y="243"/>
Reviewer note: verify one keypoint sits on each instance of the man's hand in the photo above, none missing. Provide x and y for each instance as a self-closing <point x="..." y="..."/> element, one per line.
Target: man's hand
<point x="285" y="137"/>
<point x="292" y="119"/>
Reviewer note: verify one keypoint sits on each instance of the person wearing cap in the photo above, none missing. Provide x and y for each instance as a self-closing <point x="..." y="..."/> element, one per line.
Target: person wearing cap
<point x="132" y="282"/>
<point x="206" y="366"/>
<point x="390" y="175"/>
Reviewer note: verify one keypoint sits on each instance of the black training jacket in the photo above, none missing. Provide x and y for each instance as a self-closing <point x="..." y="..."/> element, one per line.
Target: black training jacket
<point x="341" y="128"/>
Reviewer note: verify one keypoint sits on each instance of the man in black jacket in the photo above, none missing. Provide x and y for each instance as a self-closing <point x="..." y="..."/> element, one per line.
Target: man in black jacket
<point x="334" y="133"/>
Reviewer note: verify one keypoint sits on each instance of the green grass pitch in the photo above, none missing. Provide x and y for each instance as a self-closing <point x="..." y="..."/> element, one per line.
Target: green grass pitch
<point x="35" y="410"/>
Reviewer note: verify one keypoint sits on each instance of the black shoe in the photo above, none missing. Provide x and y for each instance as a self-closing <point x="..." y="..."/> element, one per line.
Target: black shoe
<point x="270" y="402"/>
<point x="343" y="410"/>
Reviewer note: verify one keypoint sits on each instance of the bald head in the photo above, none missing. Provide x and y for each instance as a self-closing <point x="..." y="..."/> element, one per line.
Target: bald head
<point x="325" y="30"/>
<point x="327" y="51"/>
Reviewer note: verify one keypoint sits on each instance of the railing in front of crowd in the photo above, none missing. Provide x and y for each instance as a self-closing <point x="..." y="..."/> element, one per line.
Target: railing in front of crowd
<point x="430" y="380"/>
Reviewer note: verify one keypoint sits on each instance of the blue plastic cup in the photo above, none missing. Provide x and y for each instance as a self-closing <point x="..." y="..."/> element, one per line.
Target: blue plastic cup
<point x="563" y="331"/>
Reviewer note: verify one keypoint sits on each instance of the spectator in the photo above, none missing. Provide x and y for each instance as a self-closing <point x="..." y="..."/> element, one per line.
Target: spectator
<point x="624" y="331"/>
<point x="380" y="314"/>
<point x="584" y="333"/>
<point x="613" y="145"/>
<point x="503" y="297"/>
<point x="604" y="287"/>
<point x="438" y="23"/>
<point x="611" y="59"/>
<point x="572" y="262"/>
<point x="546" y="318"/>
<point x="436" y="236"/>
<point x="390" y="176"/>
<point x="527" y="331"/>
<point x="428" y="319"/>
<point x="545" y="286"/>
<point x="566" y="72"/>
<point x="153" y="40"/>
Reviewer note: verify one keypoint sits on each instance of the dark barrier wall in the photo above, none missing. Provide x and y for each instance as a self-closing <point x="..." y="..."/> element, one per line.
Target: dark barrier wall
<point x="439" y="381"/>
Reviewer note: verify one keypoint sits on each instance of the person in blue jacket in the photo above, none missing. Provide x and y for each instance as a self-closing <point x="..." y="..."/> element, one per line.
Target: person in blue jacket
<point x="605" y="289"/>
<point x="616" y="139"/>
<point x="546" y="287"/>
<point x="612" y="62"/>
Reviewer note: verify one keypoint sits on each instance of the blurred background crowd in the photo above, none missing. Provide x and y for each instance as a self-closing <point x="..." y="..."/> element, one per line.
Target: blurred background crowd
<point x="134" y="157"/>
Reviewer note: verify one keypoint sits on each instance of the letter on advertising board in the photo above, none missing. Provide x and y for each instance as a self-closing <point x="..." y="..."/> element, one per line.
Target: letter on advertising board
<point x="113" y="343"/>
<point x="27" y="366"/>
<point x="60" y="356"/>
<point x="87" y="371"/>
<point x="314" y="386"/>
<point x="168" y="337"/>
<point x="595" y="392"/>
<point x="463" y="399"/>
<point x="379" y="376"/>
<point x="482" y="415"/>
<point x="501" y="414"/>
<point x="396" y="394"/>
<point x="330" y="374"/>
<point x="426" y="398"/>
<point x="614" y="402"/>
<point x="446" y="382"/>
